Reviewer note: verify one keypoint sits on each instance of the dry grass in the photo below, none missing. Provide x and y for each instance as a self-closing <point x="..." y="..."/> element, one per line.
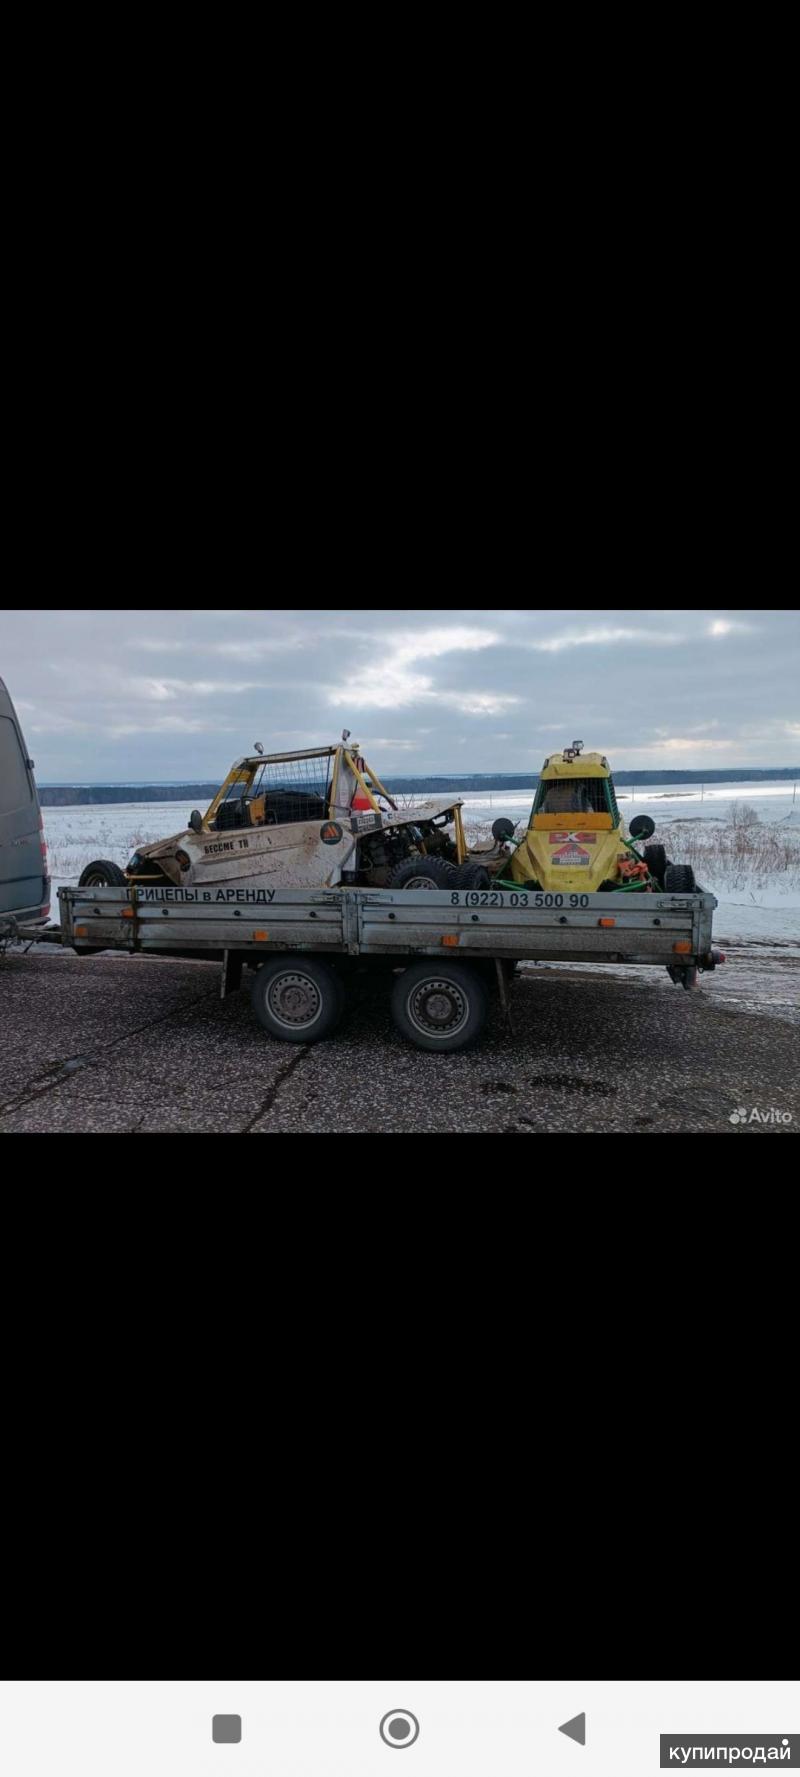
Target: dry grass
<point x="479" y="832"/>
<point x="742" y="851"/>
<point x="69" y="853"/>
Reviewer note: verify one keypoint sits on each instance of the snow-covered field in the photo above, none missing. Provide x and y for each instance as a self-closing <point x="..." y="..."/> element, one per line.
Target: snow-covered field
<point x="758" y="901"/>
<point x="79" y="834"/>
<point x="772" y="802"/>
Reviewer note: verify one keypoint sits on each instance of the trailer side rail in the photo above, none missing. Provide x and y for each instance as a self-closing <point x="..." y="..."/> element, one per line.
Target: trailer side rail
<point x="600" y="927"/>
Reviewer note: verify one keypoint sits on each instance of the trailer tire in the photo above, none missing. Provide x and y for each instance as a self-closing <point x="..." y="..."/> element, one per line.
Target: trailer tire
<point x="298" y="999"/>
<point x="102" y="874"/>
<point x="656" y="860"/>
<point x="424" y="873"/>
<point x="679" y="879"/>
<point x="440" y="1006"/>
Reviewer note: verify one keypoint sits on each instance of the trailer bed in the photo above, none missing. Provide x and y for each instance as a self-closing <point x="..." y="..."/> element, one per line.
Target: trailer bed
<point x="442" y="949"/>
<point x="368" y="922"/>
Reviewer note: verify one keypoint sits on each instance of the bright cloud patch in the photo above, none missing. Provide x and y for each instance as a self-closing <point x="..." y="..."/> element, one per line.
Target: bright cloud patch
<point x="601" y="637"/>
<point x="393" y="679"/>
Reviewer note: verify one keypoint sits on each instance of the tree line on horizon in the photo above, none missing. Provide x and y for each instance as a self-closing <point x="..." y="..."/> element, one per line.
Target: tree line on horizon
<point x="61" y="795"/>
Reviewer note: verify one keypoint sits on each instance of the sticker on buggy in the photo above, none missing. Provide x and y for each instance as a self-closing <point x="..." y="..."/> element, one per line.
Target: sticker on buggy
<point x="573" y="856"/>
<point x="331" y="833"/>
<point x="573" y="838"/>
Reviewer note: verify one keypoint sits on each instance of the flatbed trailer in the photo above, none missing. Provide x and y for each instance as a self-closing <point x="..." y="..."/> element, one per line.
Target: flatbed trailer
<point x="444" y="948"/>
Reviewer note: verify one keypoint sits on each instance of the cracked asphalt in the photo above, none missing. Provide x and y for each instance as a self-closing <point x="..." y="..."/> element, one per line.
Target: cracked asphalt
<point x="143" y="1045"/>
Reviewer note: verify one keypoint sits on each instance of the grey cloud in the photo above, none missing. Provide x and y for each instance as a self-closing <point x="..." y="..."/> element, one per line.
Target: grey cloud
<point x="178" y="694"/>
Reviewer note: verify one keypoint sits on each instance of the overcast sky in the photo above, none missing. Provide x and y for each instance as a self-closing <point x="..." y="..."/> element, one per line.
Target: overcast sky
<point x="178" y="695"/>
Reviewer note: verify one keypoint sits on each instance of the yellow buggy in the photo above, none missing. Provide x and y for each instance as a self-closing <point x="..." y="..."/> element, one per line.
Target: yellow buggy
<point x="577" y="840"/>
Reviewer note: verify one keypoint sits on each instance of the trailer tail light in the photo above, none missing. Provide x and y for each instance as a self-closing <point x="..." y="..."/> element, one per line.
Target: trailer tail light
<point x="683" y="946"/>
<point x="450" y="939"/>
<point x="126" y="913"/>
<point x="81" y="931"/>
<point x="260" y="937"/>
<point x="606" y="922"/>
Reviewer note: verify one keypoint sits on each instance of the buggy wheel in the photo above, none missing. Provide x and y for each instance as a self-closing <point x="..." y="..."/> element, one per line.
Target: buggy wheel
<point x="656" y="860"/>
<point x="440" y="1006"/>
<point x="679" y="879"/>
<point x="424" y="873"/>
<point x="297" y="998"/>
<point x="102" y="874"/>
<point x="472" y="876"/>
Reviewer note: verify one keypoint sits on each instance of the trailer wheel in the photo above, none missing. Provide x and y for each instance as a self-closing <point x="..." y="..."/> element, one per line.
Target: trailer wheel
<point x="297" y="998"/>
<point x="679" y="879"/>
<point x="102" y="874"/>
<point x="440" y="1006"/>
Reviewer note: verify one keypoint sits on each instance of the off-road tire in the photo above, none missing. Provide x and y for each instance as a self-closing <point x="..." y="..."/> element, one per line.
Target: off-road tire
<point x="427" y="873"/>
<point x="679" y="879"/>
<point x="102" y="874"/>
<point x="440" y="1006"/>
<point x="656" y="860"/>
<point x="298" y="999"/>
<point x="473" y="876"/>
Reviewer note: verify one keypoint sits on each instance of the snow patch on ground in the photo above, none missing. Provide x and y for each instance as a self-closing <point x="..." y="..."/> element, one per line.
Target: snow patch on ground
<point x="773" y="917"/>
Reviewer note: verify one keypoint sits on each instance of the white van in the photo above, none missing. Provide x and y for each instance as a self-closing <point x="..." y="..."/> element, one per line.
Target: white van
<point x="24" y="880"/>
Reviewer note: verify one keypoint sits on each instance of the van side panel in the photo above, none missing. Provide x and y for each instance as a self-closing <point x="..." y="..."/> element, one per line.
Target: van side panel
<point x="24" y="887"/>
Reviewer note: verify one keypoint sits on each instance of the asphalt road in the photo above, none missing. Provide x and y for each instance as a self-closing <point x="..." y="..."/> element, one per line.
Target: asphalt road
<point x="143" y="1045"/>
